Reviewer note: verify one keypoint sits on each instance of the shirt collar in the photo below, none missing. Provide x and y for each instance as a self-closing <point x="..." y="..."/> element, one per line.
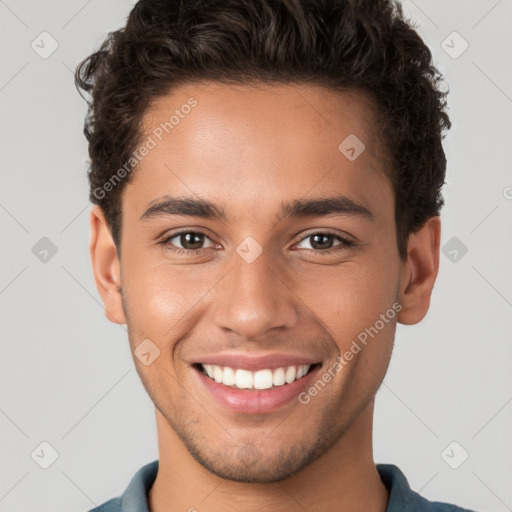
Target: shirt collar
<point x="135" y="498"/>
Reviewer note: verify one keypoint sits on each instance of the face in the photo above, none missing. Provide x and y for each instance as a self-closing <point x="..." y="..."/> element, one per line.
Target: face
<point x="280" y="253"/>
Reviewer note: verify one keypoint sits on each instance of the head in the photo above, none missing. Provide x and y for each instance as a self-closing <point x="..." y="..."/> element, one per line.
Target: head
<point x="267" y="180"/>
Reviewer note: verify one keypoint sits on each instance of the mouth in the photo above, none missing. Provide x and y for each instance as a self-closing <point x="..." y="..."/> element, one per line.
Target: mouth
<point x="266" y="378"/>
<point x="240" y="384"/>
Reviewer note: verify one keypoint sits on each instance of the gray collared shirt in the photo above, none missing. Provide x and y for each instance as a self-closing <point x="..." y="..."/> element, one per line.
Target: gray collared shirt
<point x="401" y="497"/>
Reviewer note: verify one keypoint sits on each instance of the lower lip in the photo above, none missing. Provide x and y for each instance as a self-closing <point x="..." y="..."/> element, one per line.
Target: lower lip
<point x="255" y="401"/>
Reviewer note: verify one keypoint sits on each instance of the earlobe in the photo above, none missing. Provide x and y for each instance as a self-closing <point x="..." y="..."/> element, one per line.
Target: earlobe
<point x="419" y="272"/>
<point x="106" y="266"/>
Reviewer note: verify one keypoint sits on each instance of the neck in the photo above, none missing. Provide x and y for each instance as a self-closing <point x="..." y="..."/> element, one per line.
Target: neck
<point x="344" y="478"/>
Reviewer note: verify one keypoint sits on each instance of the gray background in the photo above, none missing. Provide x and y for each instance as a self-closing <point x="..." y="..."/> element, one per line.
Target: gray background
<point x="67" y="377"/>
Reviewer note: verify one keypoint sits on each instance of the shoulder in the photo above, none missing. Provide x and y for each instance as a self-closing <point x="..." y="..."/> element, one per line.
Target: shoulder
<point x="437" y="506"/>
<point x="135" y="495"/>
<point x="403" y="499"/>
<point x="113" y="505"/>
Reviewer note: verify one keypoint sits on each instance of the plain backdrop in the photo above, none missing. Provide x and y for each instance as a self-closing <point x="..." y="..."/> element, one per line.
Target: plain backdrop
<point x="67" y="376"/>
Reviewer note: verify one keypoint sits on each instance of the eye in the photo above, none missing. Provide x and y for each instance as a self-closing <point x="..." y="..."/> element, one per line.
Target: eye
<point x="190" y="241"/>
<point x="323" y="242"/>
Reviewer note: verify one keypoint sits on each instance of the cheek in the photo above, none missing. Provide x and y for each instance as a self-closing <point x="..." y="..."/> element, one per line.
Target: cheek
<point x="159" y="297"/>
<point x="352" y="298"/>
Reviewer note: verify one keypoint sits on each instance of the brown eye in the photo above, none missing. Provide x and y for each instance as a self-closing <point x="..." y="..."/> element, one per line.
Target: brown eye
<point x="192" y="241"/>
<point x="321" y="241"/>
<point x="325" y="242"/>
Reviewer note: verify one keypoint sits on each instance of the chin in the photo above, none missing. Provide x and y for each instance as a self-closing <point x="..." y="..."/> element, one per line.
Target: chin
<point x="250" y="464"/>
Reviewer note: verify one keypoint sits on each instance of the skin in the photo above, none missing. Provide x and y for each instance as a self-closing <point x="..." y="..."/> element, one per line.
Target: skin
<point x="247" y="149"/>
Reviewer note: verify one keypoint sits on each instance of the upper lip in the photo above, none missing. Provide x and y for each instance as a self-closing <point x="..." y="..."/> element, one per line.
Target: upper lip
<point x="255" y="363"/>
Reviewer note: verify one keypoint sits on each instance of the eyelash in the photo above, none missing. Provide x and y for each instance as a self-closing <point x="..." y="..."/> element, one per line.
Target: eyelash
<point x="345" y="243"/>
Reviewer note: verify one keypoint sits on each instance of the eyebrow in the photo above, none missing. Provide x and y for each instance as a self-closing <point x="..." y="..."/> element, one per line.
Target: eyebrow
<point x="316" y="207"/>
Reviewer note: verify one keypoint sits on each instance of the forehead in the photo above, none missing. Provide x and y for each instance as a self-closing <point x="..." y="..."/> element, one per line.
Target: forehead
<point x="256" y="113"/>
<point x="254" y="143"/>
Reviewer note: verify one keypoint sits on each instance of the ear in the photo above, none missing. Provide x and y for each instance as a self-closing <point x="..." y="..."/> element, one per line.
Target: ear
<point x="419" y="272"/>
<point x="106" y="266"/>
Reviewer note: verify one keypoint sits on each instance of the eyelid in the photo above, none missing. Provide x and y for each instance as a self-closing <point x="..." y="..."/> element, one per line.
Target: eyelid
<point x="180" y="231"/>
<point x="166" y="237"/>
<point x="345" y="237"/>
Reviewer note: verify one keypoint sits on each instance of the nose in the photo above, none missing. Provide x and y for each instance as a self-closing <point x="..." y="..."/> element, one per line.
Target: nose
<point x="255" y="298"/>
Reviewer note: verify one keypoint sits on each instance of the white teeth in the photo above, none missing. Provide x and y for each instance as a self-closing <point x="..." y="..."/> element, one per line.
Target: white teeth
<point x="209" y="370"/>
<point x="218" y="374"/>
<point x="244" y="379"/>
<point x="301" y="372"/>
<point x="278" y="377"/>
<point x="229" y="377"/>
<point x="262" y="379"/>
<point x="290" y="374"/>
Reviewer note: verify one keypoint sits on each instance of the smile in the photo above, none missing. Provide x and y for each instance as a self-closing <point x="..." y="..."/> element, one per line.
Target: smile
<point x="255" y="385"/>
<point x="262" y="379"/>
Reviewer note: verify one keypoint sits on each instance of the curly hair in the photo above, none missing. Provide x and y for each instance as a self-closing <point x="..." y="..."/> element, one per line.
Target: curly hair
<point x="365" y="45"/>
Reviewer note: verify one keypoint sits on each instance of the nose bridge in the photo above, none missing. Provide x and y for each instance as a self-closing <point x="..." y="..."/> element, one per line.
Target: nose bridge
<point x="252" y="299"/>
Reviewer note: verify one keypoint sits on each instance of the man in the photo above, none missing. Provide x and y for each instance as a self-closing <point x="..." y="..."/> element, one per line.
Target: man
<point x="267" y="184"/>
